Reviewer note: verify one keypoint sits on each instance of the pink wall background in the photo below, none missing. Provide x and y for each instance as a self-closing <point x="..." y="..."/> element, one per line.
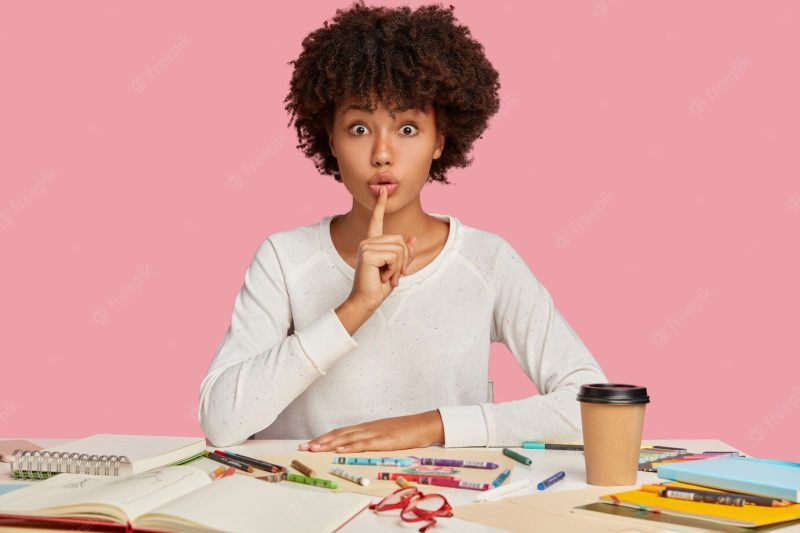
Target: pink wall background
<point x="644" y="163"/>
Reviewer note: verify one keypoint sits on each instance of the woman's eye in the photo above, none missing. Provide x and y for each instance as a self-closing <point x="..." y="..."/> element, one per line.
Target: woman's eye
<point x="357" y="129"/>
<point x="406" y="127"/>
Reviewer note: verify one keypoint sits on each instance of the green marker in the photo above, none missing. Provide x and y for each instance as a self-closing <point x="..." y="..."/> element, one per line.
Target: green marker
<point x="517" y="457"/>
<point x="299" y="478"/>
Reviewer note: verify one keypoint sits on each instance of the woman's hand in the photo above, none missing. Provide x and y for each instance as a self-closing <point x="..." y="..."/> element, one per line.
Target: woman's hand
<point x="397" y="433"/>
<point x="380" y="261"/>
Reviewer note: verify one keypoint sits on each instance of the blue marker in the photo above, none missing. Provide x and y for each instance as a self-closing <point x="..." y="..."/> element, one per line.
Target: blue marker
<point x="502" y="477"/>
<point x="373" y="461"/>
<point x="558" y="476"/>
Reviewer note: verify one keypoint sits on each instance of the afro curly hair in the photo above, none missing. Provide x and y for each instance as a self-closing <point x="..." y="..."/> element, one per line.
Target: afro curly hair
<point x="407" y="60"/>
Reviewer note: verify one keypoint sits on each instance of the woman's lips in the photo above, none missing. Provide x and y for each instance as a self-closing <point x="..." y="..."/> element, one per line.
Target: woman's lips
<point x="390" y="187"/>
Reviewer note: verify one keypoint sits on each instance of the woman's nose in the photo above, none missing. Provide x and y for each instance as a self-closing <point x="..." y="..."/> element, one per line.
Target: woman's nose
<point x="382" y="152"/>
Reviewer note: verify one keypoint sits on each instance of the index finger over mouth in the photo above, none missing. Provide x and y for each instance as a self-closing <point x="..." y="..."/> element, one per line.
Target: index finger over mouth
<point x="375" y="228"/>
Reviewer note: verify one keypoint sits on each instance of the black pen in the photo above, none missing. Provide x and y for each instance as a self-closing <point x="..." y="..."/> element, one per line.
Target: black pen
<point x="257" y="463"/>
<point x="229" y="462"/>
<point x="529" y="445"/>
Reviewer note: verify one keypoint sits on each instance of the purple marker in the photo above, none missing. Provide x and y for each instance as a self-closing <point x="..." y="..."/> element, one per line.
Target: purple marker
<point x="456" y="462"/>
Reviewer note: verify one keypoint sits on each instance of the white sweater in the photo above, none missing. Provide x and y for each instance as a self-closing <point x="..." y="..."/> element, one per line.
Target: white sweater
<point x="288" y="369"/>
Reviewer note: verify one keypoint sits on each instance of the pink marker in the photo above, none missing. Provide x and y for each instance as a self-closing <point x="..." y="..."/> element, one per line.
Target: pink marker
<point x="454" y="483"/>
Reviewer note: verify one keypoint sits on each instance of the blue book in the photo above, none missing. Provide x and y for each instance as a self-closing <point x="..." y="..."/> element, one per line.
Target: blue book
<point x="739" y="474"/>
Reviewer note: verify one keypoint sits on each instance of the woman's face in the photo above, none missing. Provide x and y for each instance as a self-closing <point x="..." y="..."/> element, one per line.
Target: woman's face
<point x="368" y="144"/>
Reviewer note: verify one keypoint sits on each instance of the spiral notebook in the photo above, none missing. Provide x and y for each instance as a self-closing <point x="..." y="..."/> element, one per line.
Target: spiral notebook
<point x="177" y="499"/>
<point x="109" y="455"/>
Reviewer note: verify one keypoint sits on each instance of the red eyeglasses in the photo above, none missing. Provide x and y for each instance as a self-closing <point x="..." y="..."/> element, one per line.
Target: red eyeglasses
<point x="415" y="506"/>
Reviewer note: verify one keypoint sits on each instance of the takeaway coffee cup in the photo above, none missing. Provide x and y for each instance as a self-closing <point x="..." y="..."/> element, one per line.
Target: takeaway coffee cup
<point x="612" y="415"/>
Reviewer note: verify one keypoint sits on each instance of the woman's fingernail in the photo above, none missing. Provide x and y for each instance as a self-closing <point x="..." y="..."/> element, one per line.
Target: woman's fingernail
<point x="304" y="446"/>
<point x="315" y="446"/>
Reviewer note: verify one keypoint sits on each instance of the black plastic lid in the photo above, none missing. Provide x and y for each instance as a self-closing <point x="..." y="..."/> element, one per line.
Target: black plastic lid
<point x="613" y="393"/>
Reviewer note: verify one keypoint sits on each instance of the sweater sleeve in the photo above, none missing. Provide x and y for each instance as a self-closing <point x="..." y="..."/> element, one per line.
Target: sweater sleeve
<point x="262" y="365"/>
<point x="548" y="350"/>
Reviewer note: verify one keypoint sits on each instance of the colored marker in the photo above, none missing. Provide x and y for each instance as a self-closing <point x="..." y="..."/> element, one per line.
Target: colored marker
<point x="707" y="496"/>
<point x="255" y="463"/>
<point x="665" y="448"/>
<point x="372" y="461"/>
<point x="359" y="480"/>
<point x="558" y="476"/>
<point x="297" y="465"/>
<point x="454" y="483"/>
<point x="402" y="482"/>
<point x="456" y="462"/>
<point x="535" y="445"/>
<point x="298" y="478"/>
<point x="493" y="494"/>
<point x="445" y="471"/>
<point x="517" y="456"/>
<point x="271" y="477"/>
<point x="227" y="461"/>
<point x="408" y="477"/>
<point x="502" y="477"/>
<point x="222" y="471"/>
<point x="732" y="453"/>
<point x="528" y="445"/>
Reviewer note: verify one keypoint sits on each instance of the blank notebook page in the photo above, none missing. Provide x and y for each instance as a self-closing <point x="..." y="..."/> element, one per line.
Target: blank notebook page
<point x="144" y="451"/>
<point x="246" y="504"/>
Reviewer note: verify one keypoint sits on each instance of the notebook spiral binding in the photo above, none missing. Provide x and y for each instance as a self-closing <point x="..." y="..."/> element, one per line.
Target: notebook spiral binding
<point x="27" y="464"/>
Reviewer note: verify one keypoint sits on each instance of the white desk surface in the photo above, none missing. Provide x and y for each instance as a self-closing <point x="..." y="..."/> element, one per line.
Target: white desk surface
<point x="545" y="463"/>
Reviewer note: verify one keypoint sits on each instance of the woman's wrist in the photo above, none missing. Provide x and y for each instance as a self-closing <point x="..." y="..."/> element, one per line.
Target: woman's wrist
<point x="352" y="315"/>
<point x="435" y="427"/>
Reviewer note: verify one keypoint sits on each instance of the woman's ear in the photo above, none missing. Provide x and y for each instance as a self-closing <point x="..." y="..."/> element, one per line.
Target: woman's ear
<point x="330" y="142"/>
<point x="437" y="152"/>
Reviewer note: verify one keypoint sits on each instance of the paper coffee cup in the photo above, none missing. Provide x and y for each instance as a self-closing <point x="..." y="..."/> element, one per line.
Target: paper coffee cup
<point x="612" y="416"/>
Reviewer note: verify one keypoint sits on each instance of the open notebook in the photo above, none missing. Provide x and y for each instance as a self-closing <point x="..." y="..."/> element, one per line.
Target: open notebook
<point x="180" y="498"/>
<point x="110" y="455"/>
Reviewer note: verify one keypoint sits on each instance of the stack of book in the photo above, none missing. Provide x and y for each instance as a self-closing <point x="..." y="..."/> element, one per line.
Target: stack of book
<point x="725" y="494"/>
<point x="650" y="458"/>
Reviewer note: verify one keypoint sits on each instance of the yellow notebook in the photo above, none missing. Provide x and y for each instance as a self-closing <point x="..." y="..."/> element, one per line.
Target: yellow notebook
<point x="746" y="516"/>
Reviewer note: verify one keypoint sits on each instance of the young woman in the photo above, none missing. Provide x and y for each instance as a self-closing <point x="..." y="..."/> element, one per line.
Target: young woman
<point x="371" y="329"/>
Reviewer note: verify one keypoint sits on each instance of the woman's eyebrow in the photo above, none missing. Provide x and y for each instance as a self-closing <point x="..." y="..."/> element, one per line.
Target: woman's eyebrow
<point x="365" y="108"/>
<point x="357" y="107"/>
